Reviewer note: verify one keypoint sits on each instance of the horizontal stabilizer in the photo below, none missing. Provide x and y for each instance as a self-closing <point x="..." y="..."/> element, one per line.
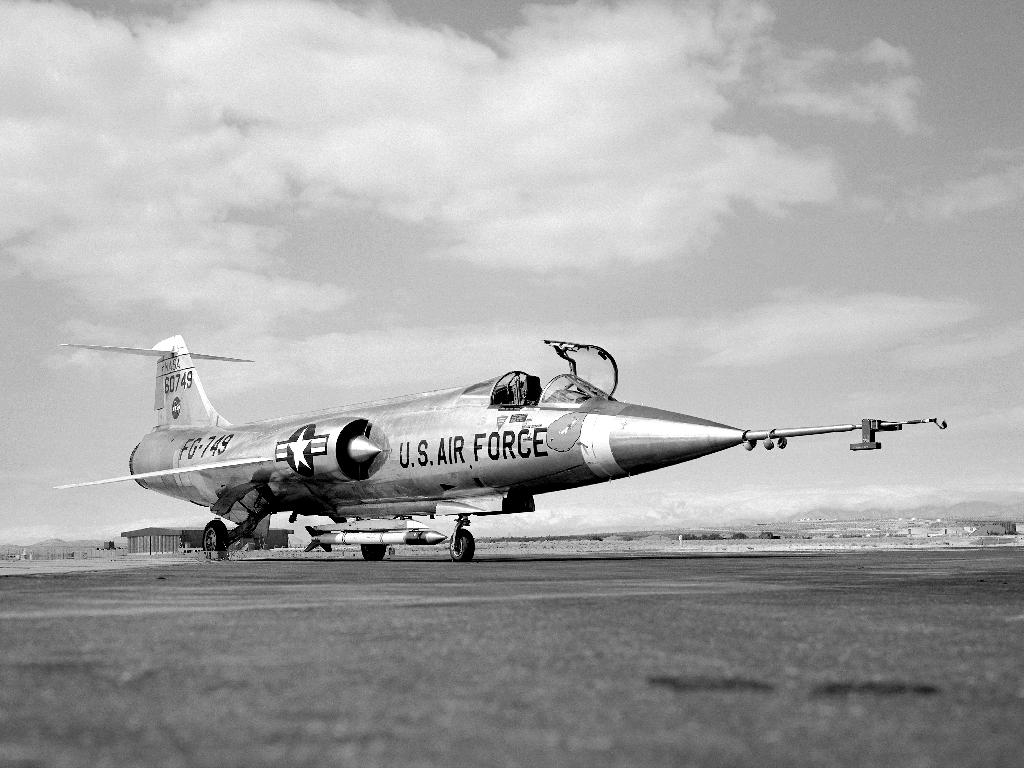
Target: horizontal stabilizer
<point x="154" y="352"/>
<point x="166" y="472"/>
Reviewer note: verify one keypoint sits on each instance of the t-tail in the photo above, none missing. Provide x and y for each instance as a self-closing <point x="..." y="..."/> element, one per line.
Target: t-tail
<point x="179" y="398"/>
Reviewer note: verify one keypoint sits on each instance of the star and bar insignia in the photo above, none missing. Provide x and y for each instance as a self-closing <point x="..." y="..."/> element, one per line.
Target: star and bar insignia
<point x="300" y="448"/>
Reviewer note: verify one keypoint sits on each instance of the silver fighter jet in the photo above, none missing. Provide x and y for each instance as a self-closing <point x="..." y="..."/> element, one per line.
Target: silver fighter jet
<point x="372" y="468"/>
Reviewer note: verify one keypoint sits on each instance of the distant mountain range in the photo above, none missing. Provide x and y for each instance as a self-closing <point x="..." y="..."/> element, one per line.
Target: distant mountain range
<point x="964" y="510"/>
<point x="46" y="544"/>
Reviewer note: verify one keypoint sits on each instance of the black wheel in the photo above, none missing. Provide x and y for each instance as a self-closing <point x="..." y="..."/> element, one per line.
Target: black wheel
<point x="373" y="551"/>
<point x="462" y="546"/>
<point x="215" y="536"/>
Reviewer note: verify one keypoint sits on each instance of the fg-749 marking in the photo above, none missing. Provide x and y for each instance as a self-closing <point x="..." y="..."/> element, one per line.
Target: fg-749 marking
<point x="198" y="447"/>
<point x="374" y="468"/>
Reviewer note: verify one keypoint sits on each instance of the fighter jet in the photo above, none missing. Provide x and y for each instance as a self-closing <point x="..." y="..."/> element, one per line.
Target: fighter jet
<point x="374" y="468"/>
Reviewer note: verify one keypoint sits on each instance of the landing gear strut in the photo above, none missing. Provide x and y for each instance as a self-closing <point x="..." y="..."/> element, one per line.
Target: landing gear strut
<point x="462" y="545"/>
<point x="215" y="537"/>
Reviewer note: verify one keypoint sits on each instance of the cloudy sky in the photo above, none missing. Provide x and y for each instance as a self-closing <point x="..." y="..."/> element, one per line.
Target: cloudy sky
<point x="772" y="214"/>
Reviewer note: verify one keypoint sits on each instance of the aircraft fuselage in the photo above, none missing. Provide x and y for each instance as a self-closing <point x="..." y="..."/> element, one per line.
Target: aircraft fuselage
<point x="443" y="446"/>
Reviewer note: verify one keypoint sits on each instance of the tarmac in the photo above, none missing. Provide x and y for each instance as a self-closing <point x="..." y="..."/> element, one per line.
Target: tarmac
<point x="824" y="659"/>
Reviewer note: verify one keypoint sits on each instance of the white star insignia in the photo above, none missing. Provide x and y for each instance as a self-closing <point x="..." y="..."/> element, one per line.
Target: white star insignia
<point x="298" y="450"/>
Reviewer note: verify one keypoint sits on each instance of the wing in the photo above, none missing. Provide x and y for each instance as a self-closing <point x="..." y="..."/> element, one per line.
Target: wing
<point x="166" y="472"/>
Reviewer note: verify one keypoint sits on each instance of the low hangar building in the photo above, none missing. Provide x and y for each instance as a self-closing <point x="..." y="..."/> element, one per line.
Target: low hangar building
<point x="160" y="541"/>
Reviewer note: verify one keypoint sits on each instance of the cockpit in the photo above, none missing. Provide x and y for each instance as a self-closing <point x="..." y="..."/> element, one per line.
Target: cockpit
<point x="518" y="389"/>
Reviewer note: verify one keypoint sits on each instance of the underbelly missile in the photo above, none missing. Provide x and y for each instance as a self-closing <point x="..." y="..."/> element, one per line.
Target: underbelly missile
<point x="382" y="537"/>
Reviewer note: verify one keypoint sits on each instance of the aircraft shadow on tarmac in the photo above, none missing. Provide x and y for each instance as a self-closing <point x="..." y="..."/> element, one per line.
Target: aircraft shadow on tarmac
<point x="704" y="683"/>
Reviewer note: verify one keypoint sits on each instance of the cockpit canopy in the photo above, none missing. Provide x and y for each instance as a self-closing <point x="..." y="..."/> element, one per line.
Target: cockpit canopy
<point x="518" y="389"/>
<point x="567" y="389"/>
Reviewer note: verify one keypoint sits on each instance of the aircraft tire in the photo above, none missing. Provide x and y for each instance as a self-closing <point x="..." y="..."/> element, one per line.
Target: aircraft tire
<point x="462" y="546"/>
<point x="373" y="551"/>
<point x="215" y="536"/>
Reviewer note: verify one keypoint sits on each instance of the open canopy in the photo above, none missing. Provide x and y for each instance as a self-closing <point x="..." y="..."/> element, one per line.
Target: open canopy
<point x="589" y="363"/>
<point x="593" y="374"/>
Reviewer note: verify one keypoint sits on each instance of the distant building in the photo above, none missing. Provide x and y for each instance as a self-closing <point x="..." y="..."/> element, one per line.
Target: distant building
<point x="972" y="528"/>
<point x="995" y="528"/>
<point x="935" y="530"/>
<point x="159" y="541"/>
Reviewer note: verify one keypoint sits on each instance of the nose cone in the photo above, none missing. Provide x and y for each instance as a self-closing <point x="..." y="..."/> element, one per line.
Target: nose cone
<point x="651" y="438"/>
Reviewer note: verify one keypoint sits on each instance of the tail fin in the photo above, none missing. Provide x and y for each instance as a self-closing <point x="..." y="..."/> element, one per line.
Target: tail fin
<point x="180" y="399"/>
<point x="179" y="396"/>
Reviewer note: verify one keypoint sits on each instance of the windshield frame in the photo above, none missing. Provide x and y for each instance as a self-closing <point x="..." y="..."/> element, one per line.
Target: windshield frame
<point x="562" y="384"/>
<point x="567" y="349"/>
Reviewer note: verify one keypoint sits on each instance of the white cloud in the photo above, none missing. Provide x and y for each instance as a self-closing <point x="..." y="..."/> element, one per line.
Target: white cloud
<point x="225" y="272"/>
<point x="804" y="325"/>
<point x="1008" y="419"/>
<point x="988" y="191"/>
<point x="398" y="358"/>
<point x="880" y="52"/>
<point x="969" y="348"/>
<point x="818" y="82"/>
<point x="138" y="154"/>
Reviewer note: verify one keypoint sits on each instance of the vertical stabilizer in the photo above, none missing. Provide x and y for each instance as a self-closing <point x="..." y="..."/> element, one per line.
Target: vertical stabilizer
<point x="180" y="398"/>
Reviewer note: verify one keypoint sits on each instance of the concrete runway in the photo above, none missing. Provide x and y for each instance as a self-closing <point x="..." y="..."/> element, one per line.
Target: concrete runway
<point x="882" y="658"/>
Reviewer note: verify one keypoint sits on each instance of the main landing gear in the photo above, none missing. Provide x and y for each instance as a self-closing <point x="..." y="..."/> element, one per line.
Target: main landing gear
<point x="215" y="537"/>
<point x="462" y="545"/>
